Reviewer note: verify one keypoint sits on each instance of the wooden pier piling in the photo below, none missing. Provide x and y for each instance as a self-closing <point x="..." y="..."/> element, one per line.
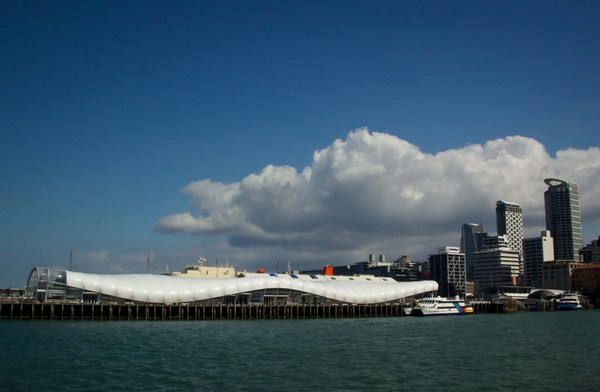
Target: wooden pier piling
<point x="69" y="311"/>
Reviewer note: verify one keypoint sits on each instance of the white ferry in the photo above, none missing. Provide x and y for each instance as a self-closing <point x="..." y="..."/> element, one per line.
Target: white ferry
<point x="438" y="306"/>
<point x="568" y="301"/>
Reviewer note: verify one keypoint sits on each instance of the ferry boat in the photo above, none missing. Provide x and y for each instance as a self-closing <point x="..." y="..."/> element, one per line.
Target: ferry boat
<point x="568" y="301"/>
<point x="438" y="306"/>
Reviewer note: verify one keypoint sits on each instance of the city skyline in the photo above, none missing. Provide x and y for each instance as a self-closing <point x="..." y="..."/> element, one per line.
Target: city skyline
<point x="313" y="133"/>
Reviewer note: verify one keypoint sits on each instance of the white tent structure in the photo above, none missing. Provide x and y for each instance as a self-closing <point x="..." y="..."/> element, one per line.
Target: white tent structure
<point x="47" y="284"/>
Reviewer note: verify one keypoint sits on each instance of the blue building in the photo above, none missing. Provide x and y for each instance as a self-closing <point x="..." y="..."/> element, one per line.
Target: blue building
<point x="471" y="241"/>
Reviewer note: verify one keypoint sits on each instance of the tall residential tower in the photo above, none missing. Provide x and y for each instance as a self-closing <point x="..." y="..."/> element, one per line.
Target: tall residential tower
<point x="509" y="222"/>
<point x="563" y="218"/>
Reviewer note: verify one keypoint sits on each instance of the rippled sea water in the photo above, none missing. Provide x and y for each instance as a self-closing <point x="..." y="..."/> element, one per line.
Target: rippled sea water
<point x="552" y="351"/>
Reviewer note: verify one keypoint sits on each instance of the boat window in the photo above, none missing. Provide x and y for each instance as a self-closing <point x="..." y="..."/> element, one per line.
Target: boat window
<point x="275" y="275"/>
<point x="314" y="277"/>
<point x="294" y="276"/>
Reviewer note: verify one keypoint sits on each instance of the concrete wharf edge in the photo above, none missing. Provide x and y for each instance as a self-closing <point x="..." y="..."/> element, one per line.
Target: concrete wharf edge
<point x="68" y="311"/>
<point x="62" y="311"/>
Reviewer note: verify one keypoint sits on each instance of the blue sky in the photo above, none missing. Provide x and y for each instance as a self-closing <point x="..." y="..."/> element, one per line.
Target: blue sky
<point x="109" y="109"/>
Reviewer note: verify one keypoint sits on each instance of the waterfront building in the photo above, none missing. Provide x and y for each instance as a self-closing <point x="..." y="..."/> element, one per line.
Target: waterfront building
<point x="402" y="269"/>
<point x="55" y="285"/>
<point x="585" y="278"/>
<point x="407" y="270"/>
<point x="496" y="265"/>
<point x="447" y="268"/>
<point x="563" y="218"/>
<point x="557" y="274"/>
<point x="591" y="252"/>
<point x="536" y="251"/>
<point x="471" y="241"/>
<point x="509" y="223"/>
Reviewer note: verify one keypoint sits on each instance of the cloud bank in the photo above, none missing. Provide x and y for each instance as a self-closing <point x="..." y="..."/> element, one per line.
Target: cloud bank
<point x="374" y="193"/>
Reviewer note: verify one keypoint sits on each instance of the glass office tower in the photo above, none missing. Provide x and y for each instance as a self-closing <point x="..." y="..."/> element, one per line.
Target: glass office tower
<point x="563" y="218"/>
<point x="471" y="241"/>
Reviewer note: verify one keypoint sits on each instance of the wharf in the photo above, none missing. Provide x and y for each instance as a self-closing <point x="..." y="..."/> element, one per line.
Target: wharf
<point x="62" y="311"/>
<point x="495" y="307"/>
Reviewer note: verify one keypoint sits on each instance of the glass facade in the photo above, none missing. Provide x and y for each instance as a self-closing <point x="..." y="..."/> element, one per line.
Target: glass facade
<point x="47" y="284"/>
<point x="471" y="241"/>
<point x="563" y="218"/>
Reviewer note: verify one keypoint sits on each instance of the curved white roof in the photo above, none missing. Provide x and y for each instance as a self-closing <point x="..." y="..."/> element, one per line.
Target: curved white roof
<point x="169" y="289"/>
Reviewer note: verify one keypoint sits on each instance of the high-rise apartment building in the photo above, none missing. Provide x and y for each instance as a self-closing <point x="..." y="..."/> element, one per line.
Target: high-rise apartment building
<point x="471" y="241"/>
<point x="509" y="222"/>
<point x="536" y="251"/>
<point x="563" y="218"/>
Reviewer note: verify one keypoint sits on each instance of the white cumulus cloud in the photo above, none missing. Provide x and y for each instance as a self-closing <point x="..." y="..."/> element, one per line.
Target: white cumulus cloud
<point x="374" y="193"/>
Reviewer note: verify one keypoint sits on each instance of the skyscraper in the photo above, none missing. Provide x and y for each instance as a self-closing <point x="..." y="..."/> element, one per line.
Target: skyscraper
<point x="509" y="222"/>
<point x="563" y="218"/>
<point x="471" y="240"/>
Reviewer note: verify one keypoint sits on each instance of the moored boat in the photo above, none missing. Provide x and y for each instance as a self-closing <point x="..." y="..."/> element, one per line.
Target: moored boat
<point x="439" y="306"/>
<point x="568" y="301"/>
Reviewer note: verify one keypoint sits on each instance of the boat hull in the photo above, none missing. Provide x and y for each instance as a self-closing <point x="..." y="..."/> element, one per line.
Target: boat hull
<point x="441" y="307"/>
<point x="420" y="313"/>
<point x="568" y="301"/>
<point x="567" y="307"/>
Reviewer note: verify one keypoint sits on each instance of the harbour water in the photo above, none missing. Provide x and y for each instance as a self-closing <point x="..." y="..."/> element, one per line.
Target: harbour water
<point x="550" y="351"/>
